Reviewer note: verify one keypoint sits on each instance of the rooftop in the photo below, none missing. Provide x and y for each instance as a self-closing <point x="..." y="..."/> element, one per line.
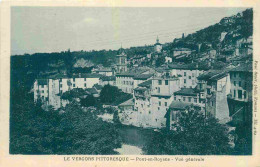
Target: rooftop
<point x="186" y="92"/>
<point x="146" y="84"/>
<point x="213" y="75"/>
<point x="142" y="76"/>
<point x="179" y="105"/>
<point x="191" y="66"/>
<point x="108" y="78"/>
<point x="129" y="102"/>
<point x="245" y="67"/>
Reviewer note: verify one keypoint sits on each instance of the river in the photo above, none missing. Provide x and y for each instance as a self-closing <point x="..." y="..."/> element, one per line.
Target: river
<point x="133" y="139"/>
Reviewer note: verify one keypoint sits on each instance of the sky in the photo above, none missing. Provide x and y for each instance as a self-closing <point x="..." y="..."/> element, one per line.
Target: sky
<point x="56" y="29"/>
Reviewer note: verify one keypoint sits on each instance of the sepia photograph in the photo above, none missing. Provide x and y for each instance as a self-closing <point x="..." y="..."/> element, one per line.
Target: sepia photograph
<point x="131" y="80"/>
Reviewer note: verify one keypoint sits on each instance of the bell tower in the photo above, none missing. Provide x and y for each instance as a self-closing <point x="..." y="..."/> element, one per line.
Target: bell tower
<point x="121" y="65"/>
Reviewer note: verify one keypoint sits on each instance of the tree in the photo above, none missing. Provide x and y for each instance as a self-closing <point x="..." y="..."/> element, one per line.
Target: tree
<point x="88" y="101"/>
<point x="116" y="117"/>
<point x="192" y="134"/>
<point x="160" y="61"/>
<point x="35" y="131"/>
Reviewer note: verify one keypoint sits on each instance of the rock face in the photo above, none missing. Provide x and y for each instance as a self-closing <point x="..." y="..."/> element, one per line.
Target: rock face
<point x="83" y="63"/>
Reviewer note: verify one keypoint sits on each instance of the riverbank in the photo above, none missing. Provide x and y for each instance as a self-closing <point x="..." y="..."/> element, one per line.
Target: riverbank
<point x="133" y="139"/>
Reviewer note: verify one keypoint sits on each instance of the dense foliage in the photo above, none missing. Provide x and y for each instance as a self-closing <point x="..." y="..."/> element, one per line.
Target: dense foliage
<point x="192" y="134"/>
<point x="88" y="101"/>
<point x="35" y="131"/>
<point x="112" y="95"/>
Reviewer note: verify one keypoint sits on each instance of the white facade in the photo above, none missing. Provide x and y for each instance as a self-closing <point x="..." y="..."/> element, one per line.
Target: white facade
<point x="50" y="90"/>
<point x="125" y="83"/>
<point x="188" y="78"/>
<point x="161" y="98"/>
<point x="168" y="59"/>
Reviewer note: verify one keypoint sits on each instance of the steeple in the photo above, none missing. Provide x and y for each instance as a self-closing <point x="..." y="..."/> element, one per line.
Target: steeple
<point x="157" y="40"/>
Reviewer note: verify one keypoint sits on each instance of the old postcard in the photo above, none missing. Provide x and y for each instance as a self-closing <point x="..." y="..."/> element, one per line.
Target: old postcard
<point x="112" y="83"/>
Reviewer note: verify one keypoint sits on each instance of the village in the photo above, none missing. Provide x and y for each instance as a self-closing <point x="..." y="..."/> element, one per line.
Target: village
<point x="216" y="80"/>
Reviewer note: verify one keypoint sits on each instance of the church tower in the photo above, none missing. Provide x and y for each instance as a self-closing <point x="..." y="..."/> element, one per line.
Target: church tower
<point x="157" y="46"/>
<point x="121" y="65"/>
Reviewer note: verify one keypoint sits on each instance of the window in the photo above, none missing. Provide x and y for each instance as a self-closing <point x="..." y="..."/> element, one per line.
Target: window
<point x="195" y="100"/>
<point x="166" y="82"/>
<point x="208" y="91"/>
<point x="174" y="97"/>
<point x="85" y="85"/>
<point x="159" y="103"/>
<point x="240" y="94"/>
<point x="184" y="80"/>
<point x="244" y="94"/>
<point x="235" y="94"/>
<point x="85" y="79"/>
<point x="73" y="85"/>
<point x="42" y="86"/>
<point x="42" y="91"/>
<point x="159" y="82"/>
<point x="165" y="103"/>
<point x="234" y="83"/>
<point x="142" y="105"/>
<point x="173" y="116"/>
<point x="235" y="75"/>
<point x="212" y="103"/>
<point x="189" y="98"/>
<point x="189" y="77"/>
<point x="61" y="85"/>
<point x="73" y="79"/>
<point x="184" y="98"/>
<point x="184" y="73"/>
<point x="239" y="83"/>
<point x="158" y="90"/>
<point x="158" y="108"/>
<point x="60" y="91"/>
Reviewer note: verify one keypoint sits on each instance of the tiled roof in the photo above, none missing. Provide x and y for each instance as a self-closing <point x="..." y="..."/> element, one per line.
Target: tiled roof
<point x="213" y="75"/>
<point x="126" y="74"/>
<point x="245" y="67"/>
<point x="179" y="105"/>
<point x="129" y="102"/>
<point x="146" y="84"/>
<point x="192" y="66"/>
<point x="142" y="76"/>
<point x="186" y="92"/>
<point x="87" y="76"/>
<point x="108" y="78"/>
